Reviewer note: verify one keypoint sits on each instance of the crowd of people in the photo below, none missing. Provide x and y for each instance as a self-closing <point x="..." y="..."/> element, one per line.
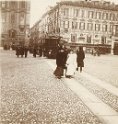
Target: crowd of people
<point x="38" y="50"/>
<point x="69" y="61"/>
<point x="22" y="50"/>
<point x="95" y="52"/>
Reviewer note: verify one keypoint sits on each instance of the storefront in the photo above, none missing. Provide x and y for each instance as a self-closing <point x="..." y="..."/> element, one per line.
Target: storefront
<point x="103" y="48"/>
<point x="115" y="50"/>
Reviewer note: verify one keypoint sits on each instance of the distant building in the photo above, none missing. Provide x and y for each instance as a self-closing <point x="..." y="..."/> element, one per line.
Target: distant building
<point x="15" y="17"/>
<point x="83" y="22"/>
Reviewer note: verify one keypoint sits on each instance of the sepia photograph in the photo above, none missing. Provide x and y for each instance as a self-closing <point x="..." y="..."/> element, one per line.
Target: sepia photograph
<point x="58" y="61"/>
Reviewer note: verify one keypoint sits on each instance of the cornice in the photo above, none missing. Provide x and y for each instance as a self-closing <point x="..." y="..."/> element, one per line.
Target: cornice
<point x="85" y="4"/>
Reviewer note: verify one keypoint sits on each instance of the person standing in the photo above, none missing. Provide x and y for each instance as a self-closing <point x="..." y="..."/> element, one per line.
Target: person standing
<point x="25" y="51"/>
<point x="18" y="50"/>
<point x="40" y="52"/>
<point x="34" y="51"/>
<point x="60" y="63"/>
<point x="22" y="50"/>
<point x="44" y="52"/>
<point x="71" y="64"/>
<point x="80" y="58"/>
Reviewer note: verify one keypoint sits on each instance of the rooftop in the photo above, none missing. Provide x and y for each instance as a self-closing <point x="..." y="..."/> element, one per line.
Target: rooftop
<point x="89" y="4"/>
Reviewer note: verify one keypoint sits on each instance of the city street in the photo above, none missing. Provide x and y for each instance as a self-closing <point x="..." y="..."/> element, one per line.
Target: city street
<point x="30" y="94"/>
<point x="104" y="67"/>
<point x="34" y="88"/>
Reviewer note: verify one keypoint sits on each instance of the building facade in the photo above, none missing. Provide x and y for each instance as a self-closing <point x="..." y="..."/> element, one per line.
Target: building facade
<point x="15" y="22"/>
<point x="84" y="22"/>
<point x="39" y="30"/>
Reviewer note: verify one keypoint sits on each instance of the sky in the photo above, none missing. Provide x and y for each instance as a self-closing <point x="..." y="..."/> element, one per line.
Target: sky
<point x="39" y="7"/>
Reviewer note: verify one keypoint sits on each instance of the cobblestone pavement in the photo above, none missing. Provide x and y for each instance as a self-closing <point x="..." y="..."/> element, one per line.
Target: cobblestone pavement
<point x="103" y="94"/>
<point x="30" y="94"/>
<point x="104" y="67"/>
<point x="101" y="68"/>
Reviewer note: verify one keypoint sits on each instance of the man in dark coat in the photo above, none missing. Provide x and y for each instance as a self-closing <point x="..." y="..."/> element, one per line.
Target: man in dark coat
<point x="25" y="51"/>
<point x="22" y="51"/>
<point x="18" y="50"/>
<point x="80" y="58"/>
<point x="40" y="52"/>
<point x="60" y="63"/>
<point x="34" y="51"/>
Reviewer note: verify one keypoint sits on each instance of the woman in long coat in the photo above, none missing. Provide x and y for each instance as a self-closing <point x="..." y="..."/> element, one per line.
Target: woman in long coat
<point x="80" y="58"/>
<point x="71" y="64"/>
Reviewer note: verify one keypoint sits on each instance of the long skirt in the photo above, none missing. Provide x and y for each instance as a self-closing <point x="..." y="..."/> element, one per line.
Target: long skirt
<point x="58" y="71"/>
<point x="70" y="70"/>
<point x="80" y="63"/>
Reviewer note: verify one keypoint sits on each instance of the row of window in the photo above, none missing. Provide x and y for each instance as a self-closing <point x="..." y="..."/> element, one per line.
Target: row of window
<point x="88" y="26"/>
<point x="13" y="18"/>
<point x="91" y="14"/>
<point x="88" y="39"/>
<point x="5" y="29"/>
<point x="12" y="4"/>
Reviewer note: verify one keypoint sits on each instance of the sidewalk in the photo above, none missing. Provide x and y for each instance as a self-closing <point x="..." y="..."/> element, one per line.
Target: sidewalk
<point x="32" y="95"/>
<point x="101" y="98"/>
<point x="104" y="67"/>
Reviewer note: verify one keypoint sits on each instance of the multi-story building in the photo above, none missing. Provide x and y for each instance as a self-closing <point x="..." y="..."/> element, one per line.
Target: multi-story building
<point x="84" y="22"/>
<point x="39" y="30"/>
<point x="15" y="19"/>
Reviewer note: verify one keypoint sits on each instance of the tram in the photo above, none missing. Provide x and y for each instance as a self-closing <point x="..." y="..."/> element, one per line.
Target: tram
<point x="49" y="46"/>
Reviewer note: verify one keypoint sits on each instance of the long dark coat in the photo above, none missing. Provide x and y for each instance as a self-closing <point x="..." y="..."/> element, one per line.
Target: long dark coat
<point x="25" y="51"/>
<point x="60" y="64"/>
<point x="80" y="58"/>
<point x="21" y="50"/>
<point x="34" y="51"/>
<point x="17" y="50"/>
<point x="40" y="52"/>
<point x="60" y="59"/>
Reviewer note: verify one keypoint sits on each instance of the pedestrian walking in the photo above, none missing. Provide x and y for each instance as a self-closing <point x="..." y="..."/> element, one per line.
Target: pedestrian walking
<point x="80" y="58"/>
<point x="94" y="51"/>
<point x="18" y="50"/>
<point x="22" y="50"/>
<point x="40" y="52"/>
<point x="26" y="51"/>
<point x="60" y="63"/>
<point x="44" y="52"/>
<point x="34" y="51"/>
<point x="71" y="64"/>
<point x="98" y="51"/>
